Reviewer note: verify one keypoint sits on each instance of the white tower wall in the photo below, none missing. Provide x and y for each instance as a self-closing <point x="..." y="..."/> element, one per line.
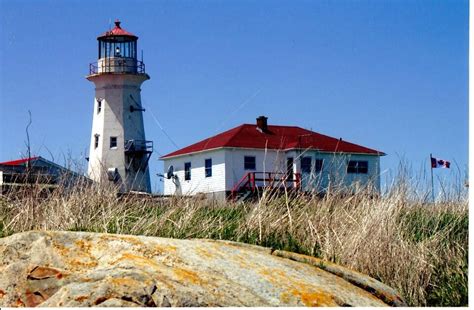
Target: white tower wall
<point x="118" y="93"/>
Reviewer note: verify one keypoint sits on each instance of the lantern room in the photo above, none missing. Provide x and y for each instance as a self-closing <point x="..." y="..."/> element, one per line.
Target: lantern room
<point x="117" y="53"/>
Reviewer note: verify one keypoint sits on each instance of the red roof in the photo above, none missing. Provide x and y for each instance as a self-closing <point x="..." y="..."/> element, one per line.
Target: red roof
<point x="117" y="31"/>
<point x="276" y="137"/>
<point x="19" y="161"/>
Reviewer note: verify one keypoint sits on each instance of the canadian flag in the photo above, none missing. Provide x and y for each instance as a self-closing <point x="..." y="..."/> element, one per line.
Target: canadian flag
<point x="439" y="163"/>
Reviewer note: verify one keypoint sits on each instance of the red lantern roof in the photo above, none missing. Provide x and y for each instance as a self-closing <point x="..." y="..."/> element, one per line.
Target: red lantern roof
<point x="117" y="31"/>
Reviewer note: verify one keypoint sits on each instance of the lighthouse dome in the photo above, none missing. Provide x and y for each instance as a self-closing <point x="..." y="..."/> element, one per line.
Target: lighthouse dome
<point x="117" y="31"/>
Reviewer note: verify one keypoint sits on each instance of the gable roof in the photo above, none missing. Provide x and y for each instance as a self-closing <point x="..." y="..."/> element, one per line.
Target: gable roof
<point x="36" y="161"/>
<point x="19" y="162"/>
<point x="276" y="137"/>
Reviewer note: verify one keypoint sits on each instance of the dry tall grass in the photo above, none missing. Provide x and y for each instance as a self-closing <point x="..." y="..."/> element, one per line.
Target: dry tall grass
<point x="417" y="247"/>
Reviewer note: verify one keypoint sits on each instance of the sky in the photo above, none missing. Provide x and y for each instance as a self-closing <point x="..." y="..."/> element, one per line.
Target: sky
<point x="389" y="75"/>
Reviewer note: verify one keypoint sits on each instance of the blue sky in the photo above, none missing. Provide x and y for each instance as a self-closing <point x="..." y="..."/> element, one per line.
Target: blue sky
<point x="390" y="75"/>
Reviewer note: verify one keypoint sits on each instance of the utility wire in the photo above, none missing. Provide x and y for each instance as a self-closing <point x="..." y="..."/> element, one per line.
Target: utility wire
<point x="243" y="104"/>
<point x="162" y="129"/>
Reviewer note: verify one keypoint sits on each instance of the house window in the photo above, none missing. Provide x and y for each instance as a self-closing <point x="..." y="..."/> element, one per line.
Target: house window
<point x="113" y="142"/>
<point x="99" y="105"/>
<point x="96" y="141"/>
<point x="289" y="168"/>
<point x="357" y="166"/>
<point x="249" y="162"/>
<point x="318" y="165"/>
<point x="306" y="164"/>
<point x="208" y="167"/>
<point x="187" y="171"/>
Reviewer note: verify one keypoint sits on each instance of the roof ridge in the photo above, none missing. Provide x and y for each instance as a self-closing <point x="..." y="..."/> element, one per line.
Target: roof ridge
<point x="270" y="125"/>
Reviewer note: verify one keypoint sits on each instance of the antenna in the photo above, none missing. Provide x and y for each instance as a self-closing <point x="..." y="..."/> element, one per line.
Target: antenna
<point x="142" y="55"/>
<point x="170" y="172"/>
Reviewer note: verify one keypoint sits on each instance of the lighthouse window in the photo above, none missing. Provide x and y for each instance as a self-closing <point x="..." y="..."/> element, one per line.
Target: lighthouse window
<point x="99" y="106"/>
<point x="113" y="142"/>
<point x="96" y="141"/>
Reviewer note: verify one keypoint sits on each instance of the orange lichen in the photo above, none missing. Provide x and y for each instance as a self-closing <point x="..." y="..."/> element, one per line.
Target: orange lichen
<point x="244" y="262"/>
<point x="167" y="248"/>
<point x="276" y="277"/>
<point x="286" y="297"/>
<point x="81" y="298"/>
<point x="124" y="282"/>
<point x="303" y="291"/>
<point x="80" y="257"/>
<point x="63" y="251"/>
<point x="206" y="253"/>
<point x="83" y="245"/>
<point x="315" y="298"/>
<point x="82" y="264"/>
<point x="151" y="252"/>
<point x="188" y="275"/>
<point x="139" y="260"/>
<point x="353" y="280"/>
<point x="130" y="239"/>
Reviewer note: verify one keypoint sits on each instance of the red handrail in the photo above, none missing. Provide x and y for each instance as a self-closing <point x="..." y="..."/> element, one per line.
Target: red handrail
<point x="244" y="181"/>
<point x="250" y="178"/>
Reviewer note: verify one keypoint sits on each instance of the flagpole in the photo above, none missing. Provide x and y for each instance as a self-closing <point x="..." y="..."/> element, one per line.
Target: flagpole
<point x="432" y="183"/>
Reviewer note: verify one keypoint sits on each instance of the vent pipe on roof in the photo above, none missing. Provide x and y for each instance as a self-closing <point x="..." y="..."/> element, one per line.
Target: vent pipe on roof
<point x="262" y="123"/>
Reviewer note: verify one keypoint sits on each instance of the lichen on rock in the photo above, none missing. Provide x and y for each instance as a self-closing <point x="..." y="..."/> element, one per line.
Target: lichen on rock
<point x="78" y="269"/>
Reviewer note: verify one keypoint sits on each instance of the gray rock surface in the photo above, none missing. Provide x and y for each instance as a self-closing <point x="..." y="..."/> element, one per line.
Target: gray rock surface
<point x="77" y="269"/>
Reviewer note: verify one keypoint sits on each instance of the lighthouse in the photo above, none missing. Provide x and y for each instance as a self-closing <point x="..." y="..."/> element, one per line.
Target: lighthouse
<point x="119" y="152"/>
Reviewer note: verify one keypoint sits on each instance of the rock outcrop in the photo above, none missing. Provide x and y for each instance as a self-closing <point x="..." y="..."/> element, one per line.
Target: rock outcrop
<point x="78" y="269"/>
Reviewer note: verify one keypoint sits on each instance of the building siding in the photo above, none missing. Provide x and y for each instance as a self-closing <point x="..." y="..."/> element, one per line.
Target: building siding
<point x="334" y="170"/>
<point x="228" y="170"/>
<point x="198" y="183"/>
<point x="269" y="161"/>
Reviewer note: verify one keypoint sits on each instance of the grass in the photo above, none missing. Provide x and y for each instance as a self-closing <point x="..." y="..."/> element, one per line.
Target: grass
<point x="417" y="247"/>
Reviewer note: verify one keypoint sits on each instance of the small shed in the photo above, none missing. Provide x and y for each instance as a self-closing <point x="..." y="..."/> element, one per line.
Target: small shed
<point x="18" y="173"/>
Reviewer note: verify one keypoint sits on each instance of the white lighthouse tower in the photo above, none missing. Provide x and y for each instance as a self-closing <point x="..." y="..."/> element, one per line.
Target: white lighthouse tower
<point x="119" y="152"/>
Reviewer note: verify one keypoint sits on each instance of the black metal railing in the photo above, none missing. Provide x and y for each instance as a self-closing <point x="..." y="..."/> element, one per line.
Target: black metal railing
<point x="117" y="66"/>
<point x="138" y="146"/>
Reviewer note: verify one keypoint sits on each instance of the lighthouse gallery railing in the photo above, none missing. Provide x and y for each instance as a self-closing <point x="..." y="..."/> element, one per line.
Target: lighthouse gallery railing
<point x="117" y="66"/>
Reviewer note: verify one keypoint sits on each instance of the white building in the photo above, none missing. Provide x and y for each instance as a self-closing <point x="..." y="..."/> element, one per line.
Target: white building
<point x="253" y="156"/>
<point x="119" y="152"/>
